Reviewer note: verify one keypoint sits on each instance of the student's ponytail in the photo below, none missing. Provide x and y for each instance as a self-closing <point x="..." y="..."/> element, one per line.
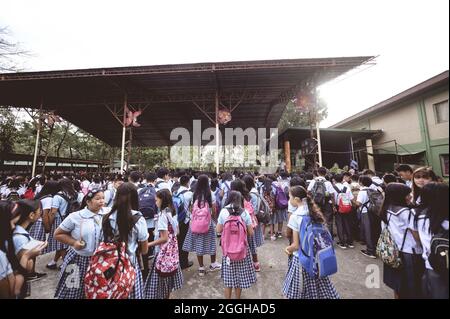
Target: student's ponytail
<point x="314" y="211"/>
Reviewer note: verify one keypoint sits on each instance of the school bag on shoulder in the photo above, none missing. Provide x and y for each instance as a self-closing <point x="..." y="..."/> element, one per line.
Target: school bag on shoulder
<point x="270" y="201"/>
<point x="147" y="202"/>
<point x="387" y="249"/>
<point x="375" y="202"/>
<point x="159" y="183"/>
<point x="438" y="257"/>
<point x="72" y="205"/>
<point x="281" y="200"/>
<point x="234" y="237"/>
<point x="200" y="218"/>
<point x="316" y="252"/>
<point x="167" y="260"/>
<point x="110" y="274"/>
<point x="262" y="211"/>
<point x="178" y="203"/>
<point x="319" y="192"/>
<point x="112" y="195"/>
<point x="249" y="208"/>
<point x="13" y="196"/>
<point x="29" y="194"/>
<point x="175" y="187"/>
<point x="343" y="202"/>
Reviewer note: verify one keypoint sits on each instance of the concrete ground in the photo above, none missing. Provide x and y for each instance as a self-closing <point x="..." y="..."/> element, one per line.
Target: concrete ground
<point x="358" y="277"/>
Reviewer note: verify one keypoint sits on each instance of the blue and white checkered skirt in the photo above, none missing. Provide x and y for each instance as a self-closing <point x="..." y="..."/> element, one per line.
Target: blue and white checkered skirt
<point x="317" y="288"/>
<point x="201" y="244"/>
<point x="292" y="282"/>
<point x="53" y="244"/>
<point x="37" y="230"/>
<point x="138" y="290"/>
<point x="259" y="236"/>
<point x="252" y="243"/>
<point x="71" y="277"/>
<point x="239" y="274"/>
<point x="157" y="287"/>
<point x="279" y="216"/>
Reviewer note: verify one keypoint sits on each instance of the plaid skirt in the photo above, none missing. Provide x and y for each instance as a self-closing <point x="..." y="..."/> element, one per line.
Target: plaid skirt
<point x="53" y="244"/>
<point x="252" y="244"/>
<point x="279" y="216"/>
<point x="138" y="290"/>
<point x="37" y="230"/>
<point x="239" y="274"/>
<point x="201" y="244"/>
<point x="157" y="287"/>
<point x="316" y="288"/>
<point x="259" y="236"/>
<point x="291" y="286"/>
<point x="71" y="277"/>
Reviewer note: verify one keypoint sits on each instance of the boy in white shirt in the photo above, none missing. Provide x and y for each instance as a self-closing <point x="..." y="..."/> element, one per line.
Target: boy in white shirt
<point x="343" y="219"/>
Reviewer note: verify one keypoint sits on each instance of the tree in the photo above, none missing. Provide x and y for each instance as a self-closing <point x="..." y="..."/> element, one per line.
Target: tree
<point x="8" y="130"/>
<point x="293" y="117"/>
<point x="9" y="51"/>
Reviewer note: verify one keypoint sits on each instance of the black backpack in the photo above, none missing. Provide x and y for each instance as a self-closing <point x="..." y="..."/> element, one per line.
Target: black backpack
<point x="147" y="202"/>
<point x="13" y="196"/>
<point x="319" y="192"/>
<point x="375" y="202"/>
<point x="72" y="205"/>
<point x="438" y="257"/>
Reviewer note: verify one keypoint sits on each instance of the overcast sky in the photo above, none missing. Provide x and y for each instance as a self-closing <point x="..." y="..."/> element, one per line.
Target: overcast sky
<point x="410" y="38"/>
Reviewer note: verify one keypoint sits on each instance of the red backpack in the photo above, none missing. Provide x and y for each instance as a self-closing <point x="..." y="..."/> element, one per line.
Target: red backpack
<point x="110" y="274"/>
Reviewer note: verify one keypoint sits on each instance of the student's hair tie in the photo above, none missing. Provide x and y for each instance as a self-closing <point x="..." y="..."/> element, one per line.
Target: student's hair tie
<point x="93" y="192"/>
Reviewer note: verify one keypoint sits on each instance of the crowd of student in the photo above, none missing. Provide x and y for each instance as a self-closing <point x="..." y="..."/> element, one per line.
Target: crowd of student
<point x="152" y="221"/>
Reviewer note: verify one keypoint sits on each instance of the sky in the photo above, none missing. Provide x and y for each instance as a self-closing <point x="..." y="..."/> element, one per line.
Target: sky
<point x="410" y="38"/>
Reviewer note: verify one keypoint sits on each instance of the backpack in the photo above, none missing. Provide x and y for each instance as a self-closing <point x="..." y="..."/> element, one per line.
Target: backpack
<point x="201" y="218"/>
<point x="175" y="187"/>
<point x="249" y="208"/>
<point x="112" y="194"/>
<point x="218" y="200"/>
<point x="29" y="194"/>
<point x="72" y="205"/>
<point x="438" y="257"/>
<point x="343" y="202"/>
<point x="263" y="212"/>
<point x="159" y="183"/>
<point x="319" y="192"/>
<point x="168" y="261"/>
<point x="375" y="202"/>
<point x="147" y="202"/>
<point x="110" y="274"/>
<point x="281" y="200"/>
<point x="270" y="201"/>
<point x="316" y="252"/>
<point x="13" y="196"/>
<point x="387" y="249"/>
<point x="234" y="237"/>
<point x="178" y="204"/>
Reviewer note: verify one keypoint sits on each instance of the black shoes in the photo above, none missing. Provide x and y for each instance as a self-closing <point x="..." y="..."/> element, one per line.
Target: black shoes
<point x="189" y="264"/>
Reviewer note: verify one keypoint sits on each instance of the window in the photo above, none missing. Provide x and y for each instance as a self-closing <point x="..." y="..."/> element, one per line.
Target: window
<point x="441" y="112"/>
<point x="444" y="164"/>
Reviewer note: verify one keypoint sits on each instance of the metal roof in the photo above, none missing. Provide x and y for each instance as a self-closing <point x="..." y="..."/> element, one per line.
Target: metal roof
<point x="298" y="134"/>
<point x="440" y="80"/>
<point x="257" y="90"/>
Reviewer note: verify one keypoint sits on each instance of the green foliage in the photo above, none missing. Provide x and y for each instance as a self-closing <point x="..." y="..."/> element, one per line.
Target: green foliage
<point x="292" y="117"/>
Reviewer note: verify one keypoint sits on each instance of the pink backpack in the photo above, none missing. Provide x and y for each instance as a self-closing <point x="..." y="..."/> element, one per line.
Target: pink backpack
<point x="249" y="208"/>
<point x="201" y="218"/>
<point x="234" y="237"/>
<point x="167" y="260"/>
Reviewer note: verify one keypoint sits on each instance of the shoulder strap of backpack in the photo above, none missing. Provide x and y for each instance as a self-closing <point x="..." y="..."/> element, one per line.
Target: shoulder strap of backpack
<point x="406" y="232"/>
<point x="337" y="189"/>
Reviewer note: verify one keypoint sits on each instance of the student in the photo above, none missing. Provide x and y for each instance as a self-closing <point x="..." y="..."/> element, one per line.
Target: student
<point x="356" y="215"/>
<point x="166" y="229"/>
<point x="186" y="195"/>
<point x="81" y="231"/>
<point x="257" y="240"/>
<point x="12" y="192"/>
<point x="162" y="182"/>
<point x="225" y="187"/>
<point x="28" y="212"/>
<point x="110" y="193"/>
<point x="432" y="220"/>
<point x="267" y="194"/>
<point x="279" y="215"/>
<point x="126" y="224"/>
<point x="343" y="220"/>
<point x="421" y="177"/>
<point x="397" y="216"/>
<point x="60" y="205"/>
<point x="367" y="220"/>
<point x="77" y="188"/>
<point x="389" y="178"/>
<point x="298" y="284"/>
<point x="377" y="183"/>
<point x="202" y="243"/>
<point x="31" y="189"/>
<point x="406" y="173"/>
<point x="41" y="182"/>
<point x="321" y="184"/>
<point x="236" y="274"/>
<point x="45" y="196"/>
<point x="135" y="178"/>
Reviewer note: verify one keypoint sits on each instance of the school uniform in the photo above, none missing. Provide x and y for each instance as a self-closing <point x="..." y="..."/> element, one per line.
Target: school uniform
<point x="343" y="221"/>
<point x="225" y="186"/>
<point x="327" y="209"/>
<point x="110" y="194"/>
<point x="291" y="285"/>
<point x="202" y="244"/>
<point x="162" y="184"/>
<point x="61" y="204"/>
<point x="139" y="233"/>
<point x="237" y="274"/>
<point x="279" y="216"/>
<point x="156" y="286"/>
<point x="21" y="237"/>
<point x="85" y="225"/>
<point x="186" y="196"/>
<point x="434" y="285"/>
<point x="405" y="280"/>
<point x="367" y="221"/>
<point x="37" y="230"/>
<point x="5" y="266"/>
<point x="258" y="238"/>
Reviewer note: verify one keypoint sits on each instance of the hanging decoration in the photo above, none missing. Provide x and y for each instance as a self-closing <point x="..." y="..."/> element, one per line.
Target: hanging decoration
<point x="131" y="117"/>
<point x="51" y="118"/>
<point x="224" y="116"/>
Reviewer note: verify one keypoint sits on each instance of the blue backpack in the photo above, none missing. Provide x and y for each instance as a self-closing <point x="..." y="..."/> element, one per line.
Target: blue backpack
<point x="178" y="203"/>
<point x="316" y="253"/>
<point x="147" y="202"/>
